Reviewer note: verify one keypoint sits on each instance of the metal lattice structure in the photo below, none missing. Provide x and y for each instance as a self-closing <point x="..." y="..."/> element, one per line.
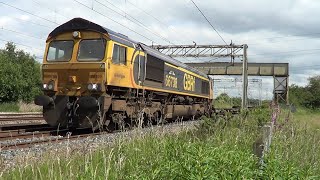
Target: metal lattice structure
<point x="277" y="70"/>
<point x="232" y="84"/>
<point x="218" y="51"/>
<point x="281" y="88"/>
<point x="201" y="50"/>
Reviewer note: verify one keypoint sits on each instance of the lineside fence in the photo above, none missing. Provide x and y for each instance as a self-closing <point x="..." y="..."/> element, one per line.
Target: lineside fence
<point x="262" y="145"/>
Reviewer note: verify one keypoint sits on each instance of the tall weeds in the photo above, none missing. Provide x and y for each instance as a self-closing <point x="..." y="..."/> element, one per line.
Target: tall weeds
<point x="217" y="148"/>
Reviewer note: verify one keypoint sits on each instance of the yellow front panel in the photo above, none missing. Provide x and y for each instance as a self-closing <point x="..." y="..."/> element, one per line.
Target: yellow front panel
<point x="72" y="77"/>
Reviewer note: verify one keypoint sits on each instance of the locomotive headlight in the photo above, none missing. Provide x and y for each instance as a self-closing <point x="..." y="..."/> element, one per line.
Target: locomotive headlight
<point x="76" y="34"/>
<point x="51" y="86"/>
<point x="90" y="86"/>
<point x="93" y="87"/>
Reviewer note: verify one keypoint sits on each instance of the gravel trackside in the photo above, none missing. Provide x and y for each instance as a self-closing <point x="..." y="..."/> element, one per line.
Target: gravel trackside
<point x="22" y="157"/>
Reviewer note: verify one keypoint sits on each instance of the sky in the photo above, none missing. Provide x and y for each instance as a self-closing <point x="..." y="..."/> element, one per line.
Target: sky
<point x="286" y="31"/>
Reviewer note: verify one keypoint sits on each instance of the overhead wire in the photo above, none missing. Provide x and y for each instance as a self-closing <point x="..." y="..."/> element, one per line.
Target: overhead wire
<point x="280" y="41"/>
<point x="53" y="10"/>
<point x="276" y="37"/>
<point x="305" y="66"/>
<point x="22" y="34"/>
<point x="161" y="22"/>
<point x="293" y="35"/>
<point x="17" y="8"/>
<point x="146" y="13"/>
<point x="114" y="21"/>
<point x="286" y="52"/>
<point x="139" y="23"/>
<point x="299" y="68"/>
<point x="20" y="9"/>
<point x="293" y="68"/>
<point x="28" y="21"/>
<point x="24" y="45"/>
<point x="296" y="51"/>
<point x="209" y="22"/>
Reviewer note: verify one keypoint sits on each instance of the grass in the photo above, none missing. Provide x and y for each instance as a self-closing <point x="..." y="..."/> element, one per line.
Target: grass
<point x="305" y="116"/>
<point x="19" y="107"/>
<point x="29" y="107"/>
<point x="222" y="104"/>
<point x="218" y="148"/>
<point x="295" y="149"/>
<point x="9" y="107"/>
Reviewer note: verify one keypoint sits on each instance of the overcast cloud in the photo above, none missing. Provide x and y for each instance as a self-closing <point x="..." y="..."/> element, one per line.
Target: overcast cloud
<point x="275" y="31"/>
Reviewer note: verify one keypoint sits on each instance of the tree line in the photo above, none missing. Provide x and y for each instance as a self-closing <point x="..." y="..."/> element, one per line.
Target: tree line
<point x="20" y="78"/>
<point x="225" y="100"/>
<point x="307" y="96"/>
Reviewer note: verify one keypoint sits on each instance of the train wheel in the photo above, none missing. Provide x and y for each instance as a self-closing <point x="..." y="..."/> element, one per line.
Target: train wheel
<point x="118" y="119"/>
<point x="90" y="118"/>
<point x="55" y="115"/>
<point x="99" y="123"/>
<point x="110" y="126"/>
<point x="158" y="118"/>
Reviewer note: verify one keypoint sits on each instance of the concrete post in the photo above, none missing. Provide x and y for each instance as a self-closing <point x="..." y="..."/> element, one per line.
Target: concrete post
<point x="244" y="102"/>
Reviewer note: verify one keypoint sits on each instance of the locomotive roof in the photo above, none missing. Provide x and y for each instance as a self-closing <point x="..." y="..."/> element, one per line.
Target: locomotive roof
<point x="77" y="24"/>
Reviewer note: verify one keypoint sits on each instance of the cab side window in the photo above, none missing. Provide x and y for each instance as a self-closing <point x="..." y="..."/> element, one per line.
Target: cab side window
<point x="119" y="54"/>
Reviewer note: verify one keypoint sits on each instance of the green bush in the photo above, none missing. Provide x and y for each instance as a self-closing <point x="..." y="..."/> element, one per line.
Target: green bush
<point x="307" y="96"/>
<point x="19" y="75"/>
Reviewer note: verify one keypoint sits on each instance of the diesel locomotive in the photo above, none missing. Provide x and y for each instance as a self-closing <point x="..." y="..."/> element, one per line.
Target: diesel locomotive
<point x="94" y="77"/>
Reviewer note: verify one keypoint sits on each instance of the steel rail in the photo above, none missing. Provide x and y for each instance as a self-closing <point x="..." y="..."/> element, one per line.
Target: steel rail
<point x="56" y="140"/>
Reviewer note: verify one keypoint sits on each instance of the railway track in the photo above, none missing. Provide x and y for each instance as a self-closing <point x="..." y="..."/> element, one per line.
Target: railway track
<point x="11" y="135"/>
<point x="24" y="127"/>
<point x="20" y="116"/>
<point x="37" y="139"/>
<point x="27" y="135"/>
<point x="14" y="139"/>
<point x="24" y="135"/>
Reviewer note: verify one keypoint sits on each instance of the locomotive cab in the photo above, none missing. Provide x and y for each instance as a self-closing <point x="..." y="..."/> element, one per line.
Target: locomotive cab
<point x="75" y="66"/>
<point x="74" y="78"/>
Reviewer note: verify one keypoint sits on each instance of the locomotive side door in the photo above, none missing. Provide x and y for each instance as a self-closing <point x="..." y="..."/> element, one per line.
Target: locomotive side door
<point x="139" y="68"/>
<point x="142" y="69"/>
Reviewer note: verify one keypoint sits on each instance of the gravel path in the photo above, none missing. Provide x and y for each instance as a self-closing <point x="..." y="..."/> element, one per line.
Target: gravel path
<point x="21" y="157"/>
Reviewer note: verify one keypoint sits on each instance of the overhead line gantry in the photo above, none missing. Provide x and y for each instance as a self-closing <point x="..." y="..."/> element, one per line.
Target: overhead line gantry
<point x="280" y="71"/>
